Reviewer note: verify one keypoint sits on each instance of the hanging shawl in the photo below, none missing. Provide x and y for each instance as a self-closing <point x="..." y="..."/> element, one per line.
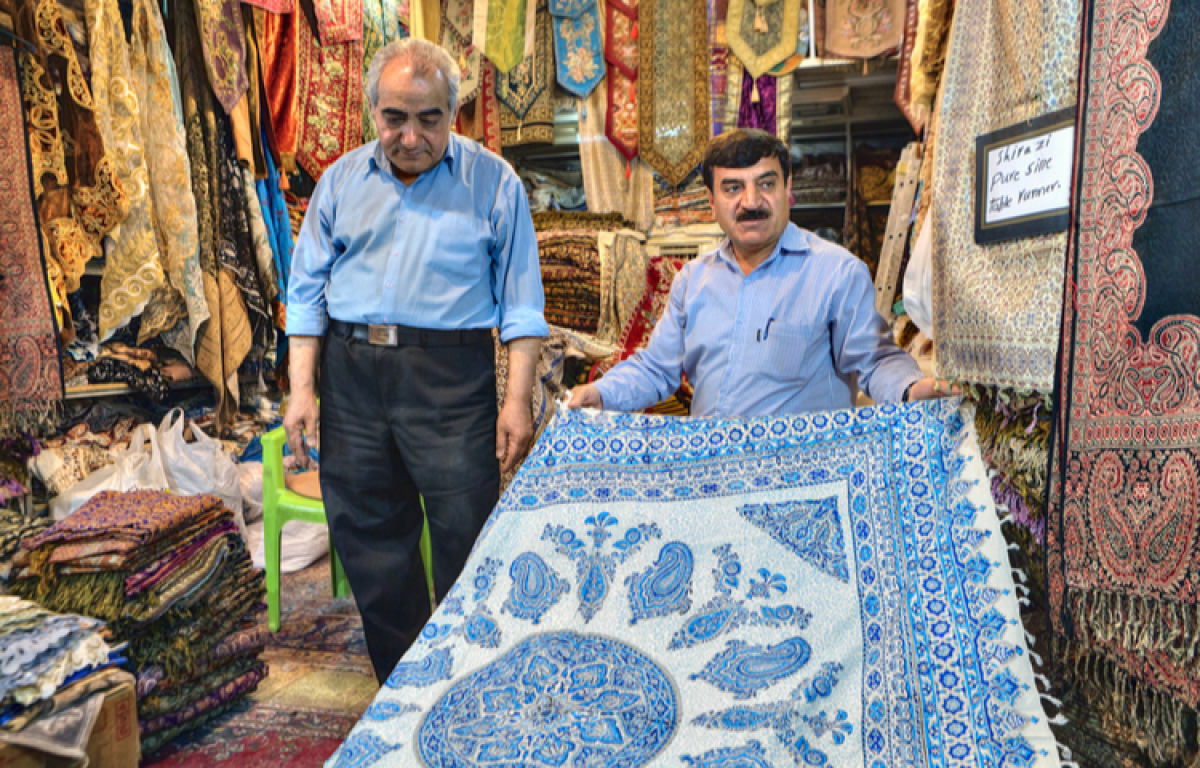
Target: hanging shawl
<point x="862" y="29"/>
<point x="381" y="25"/>
<point x="611" y="182"/>
<point x="1124" y="524"/>
<point x="762" y="33"/>
<point x="31" y="381"/>
<point x="80" y="199"/>
<point x="330" y="97"/>
<point x="275" y="216"/>
<point x="133" y="267"/>
<point x="278" y="48"/>
<point x="998" y="307"/>
<point x="718" y="68"/>
<point x="673" y="103"/>
<point x="525" y="84"/>
<point x="457" y="32"/>
<point x="225" y="339"/>
<point x="502" y="26"/>
<point x="273" y="6"/>
<point x="224" y="40"/>
<point x="621" y="53"/>
<point x="339" y="21"/>
<point x="772" y="112"/>
<point x="578" y="47"/>
<point x="480" y="120"/>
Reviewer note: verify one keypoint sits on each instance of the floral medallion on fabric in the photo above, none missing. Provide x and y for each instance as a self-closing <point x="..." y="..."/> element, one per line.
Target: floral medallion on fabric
<point x="339" y="21"/>
<point x="330" y="97"/>
<point x="822" y="589"/>
<point x="997" y="308"/>
<point x="762" y="33"/>
<point x="456" y="39"/>
<point x="1124" y="528"/>
<point x="863" y="29"/>
<point x="673" y="103"/>
<point x="621" y="53"/>
<point x="578" y="45"/>
<point x="224" y="39"/>
<point x="30" y="373"/>
<point x="525" y="84"/>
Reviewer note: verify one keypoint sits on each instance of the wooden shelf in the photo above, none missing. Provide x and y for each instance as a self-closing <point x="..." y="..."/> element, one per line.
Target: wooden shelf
<point x="833" y="206"/>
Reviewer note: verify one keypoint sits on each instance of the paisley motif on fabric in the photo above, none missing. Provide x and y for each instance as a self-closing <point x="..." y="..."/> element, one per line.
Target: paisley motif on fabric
<point x="744" y="670"/>
<point x="535" y="588"/>
<point x="434" y="668"/>
<point x="666" y="587"/>
<point x="594" y="567"/>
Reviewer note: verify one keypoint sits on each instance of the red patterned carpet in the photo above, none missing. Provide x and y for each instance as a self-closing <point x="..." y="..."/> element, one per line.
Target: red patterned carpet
<point x="320" y="682"/>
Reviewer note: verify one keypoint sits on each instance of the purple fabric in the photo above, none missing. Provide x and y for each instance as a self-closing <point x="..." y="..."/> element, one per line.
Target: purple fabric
<point x="762" y="114"/>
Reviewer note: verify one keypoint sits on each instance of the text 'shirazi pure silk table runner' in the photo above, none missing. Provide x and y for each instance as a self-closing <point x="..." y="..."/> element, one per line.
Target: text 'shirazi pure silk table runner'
<point x="1124" y="533"/>
<point x="825" y="589"/>
<point x="997" y="307"/>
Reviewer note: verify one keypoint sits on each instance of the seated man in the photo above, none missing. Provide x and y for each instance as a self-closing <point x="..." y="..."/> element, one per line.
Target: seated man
<point x="775" y="321"/>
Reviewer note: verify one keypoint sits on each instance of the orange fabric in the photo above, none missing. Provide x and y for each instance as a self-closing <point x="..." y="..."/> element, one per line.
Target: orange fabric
<point x="278" y="41"/>
<point x="306" y="484"/>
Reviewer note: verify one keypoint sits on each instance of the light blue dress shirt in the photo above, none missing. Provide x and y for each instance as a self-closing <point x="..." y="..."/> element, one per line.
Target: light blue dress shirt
<point x="454" y="251"/>
<point x="786" y="338"/>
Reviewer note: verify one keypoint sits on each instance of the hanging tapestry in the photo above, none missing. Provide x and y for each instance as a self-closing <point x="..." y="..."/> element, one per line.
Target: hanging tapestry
<point x="501" y="26"/>
<point x="381" y="25"/>
<point x="826" y="589"/>
<point x="79" y="197"/>
<point x="457" y="18"/>
<point x="1125" y="500"/>
<point x="611" y="182"/>
<point x="621" y="53"/>
<point x="273" y="6"/>
<point x="480" y="120"/>
<point x="902" y="95"/>
<point x="31" y="383"/>
<point x="525" y="84"/>
<point x="673" y="124"/>
<point x="762" y="33"/>
<point x="133" y="266"/>
<point x="863" y="29"/>
<point x="339" y="21"/>
<point x="278" y="47"/>
<point x="578" y="45"/>
<point x="224" y="39"/>
<point x="997" y="307"/>
<point x="718" y="67"/>
<point x="329" y="96"/>
<point x="927" y="30"/>
<point x="800" y="53"/>
<point x="623" y="261"/>
<point x="764" y="103"/>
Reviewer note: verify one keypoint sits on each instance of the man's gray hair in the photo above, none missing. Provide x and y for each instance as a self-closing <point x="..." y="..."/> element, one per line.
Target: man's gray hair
<point x="424" y="57"/>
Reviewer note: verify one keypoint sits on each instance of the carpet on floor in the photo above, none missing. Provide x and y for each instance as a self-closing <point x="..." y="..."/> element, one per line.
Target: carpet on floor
<point x="319" y="684"/>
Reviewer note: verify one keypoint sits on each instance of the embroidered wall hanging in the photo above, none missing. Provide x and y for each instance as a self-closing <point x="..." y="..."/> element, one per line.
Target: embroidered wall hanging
<point x="863" y="29"/>
<point x="279" y="45"/>
<point x="224" y="41"/>
<point x="457" y="17"/>
<point x="762" y="33"/>
<point x="526" y="83"/>
<point x="673" y="104"/>
<point x="381" y="25"/>
<point x="997" y="308"/>
<point x="1124" y="561"/>
<point x="501" y="26"/>
<point x="830" y="589"/>
<point x="800" y="53"/>
<point x="718" y="67"/>
<point x="339" y="21"/>
<point x="578" y="45"/>
<point x="927" y="30"/>
<point x="611" y="181"/>
<point x="764" y="103"/>
<point x="31" y="381"/>
<point x="329" y="96"/>
<point x="621" y="53"/>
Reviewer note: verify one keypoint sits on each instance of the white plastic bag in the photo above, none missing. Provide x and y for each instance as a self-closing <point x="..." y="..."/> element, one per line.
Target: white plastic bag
<point x="199" y="467"/>
<point x="918" y="280"/>
<point x="250" y="480"/>
<point x="302" y="545"/>
<point x="138" y="467"/>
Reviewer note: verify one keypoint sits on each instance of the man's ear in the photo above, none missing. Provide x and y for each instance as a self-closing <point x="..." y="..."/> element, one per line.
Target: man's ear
<point x="711" y="202"/>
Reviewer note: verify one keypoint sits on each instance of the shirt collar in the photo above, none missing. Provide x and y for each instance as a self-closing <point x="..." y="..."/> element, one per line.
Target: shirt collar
<point x="450" y="157"/>
<point x="793" y="241"/>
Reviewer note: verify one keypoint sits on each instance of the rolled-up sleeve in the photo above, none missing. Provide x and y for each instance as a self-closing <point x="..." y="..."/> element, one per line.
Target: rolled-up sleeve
<point x="516" y="271"/>
<point x="653" y="374"/>
<point x="312" y="261"/>
<point x="862" y="341"/>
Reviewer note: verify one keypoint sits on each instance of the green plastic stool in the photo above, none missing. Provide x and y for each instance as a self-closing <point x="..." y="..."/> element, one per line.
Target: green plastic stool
<point x="281" y="505"/>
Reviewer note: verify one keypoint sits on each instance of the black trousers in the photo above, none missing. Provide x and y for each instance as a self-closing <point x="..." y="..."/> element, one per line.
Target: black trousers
<point x="396" y="422"/>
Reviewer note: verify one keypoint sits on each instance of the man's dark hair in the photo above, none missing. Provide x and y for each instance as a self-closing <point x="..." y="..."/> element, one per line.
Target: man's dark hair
<point x="743" y="148"/>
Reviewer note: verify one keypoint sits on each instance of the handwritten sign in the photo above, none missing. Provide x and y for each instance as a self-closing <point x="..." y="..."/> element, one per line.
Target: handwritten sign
<point x="1023" y="178"/>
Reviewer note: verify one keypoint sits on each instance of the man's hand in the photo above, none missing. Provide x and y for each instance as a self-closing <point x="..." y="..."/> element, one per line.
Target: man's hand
<point x="585" y="396"/>
<point x="514" y="433"/>
<point x="929" y="388"/>
<point x="301" y="418"/>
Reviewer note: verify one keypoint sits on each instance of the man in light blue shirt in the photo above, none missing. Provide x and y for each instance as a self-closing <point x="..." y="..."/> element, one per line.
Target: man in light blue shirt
<point x="413" y="248"/>
<point x="775" y="321"/>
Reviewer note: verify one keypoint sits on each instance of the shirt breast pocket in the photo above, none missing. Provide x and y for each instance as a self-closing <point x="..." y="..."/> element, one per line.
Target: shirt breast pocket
<point x="460" y="249"/>
<point x="786" y="353"/>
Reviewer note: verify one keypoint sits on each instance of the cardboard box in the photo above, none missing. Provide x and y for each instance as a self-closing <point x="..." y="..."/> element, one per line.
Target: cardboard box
<point x="114" y="742"/>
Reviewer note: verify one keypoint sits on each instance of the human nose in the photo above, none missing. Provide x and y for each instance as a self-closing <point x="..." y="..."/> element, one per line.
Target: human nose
<point x="409" y="136"/>
<point x="750" y="197"/>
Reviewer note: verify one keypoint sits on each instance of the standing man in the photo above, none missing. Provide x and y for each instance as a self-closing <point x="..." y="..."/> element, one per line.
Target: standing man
<point x="414" y="246"/>
<point x="774" y="321"/>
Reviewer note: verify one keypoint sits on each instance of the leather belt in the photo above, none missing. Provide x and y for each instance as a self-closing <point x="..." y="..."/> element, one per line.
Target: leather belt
<point x="406" y="336"/>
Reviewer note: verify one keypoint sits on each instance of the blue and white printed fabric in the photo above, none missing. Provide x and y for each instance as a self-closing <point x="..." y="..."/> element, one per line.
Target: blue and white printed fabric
<point x="824" y="589"/>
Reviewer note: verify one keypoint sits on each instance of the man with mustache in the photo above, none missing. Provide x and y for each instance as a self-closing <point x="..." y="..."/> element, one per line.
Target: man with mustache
<point x="413" y="248"/>
<point x="774" y="321"/>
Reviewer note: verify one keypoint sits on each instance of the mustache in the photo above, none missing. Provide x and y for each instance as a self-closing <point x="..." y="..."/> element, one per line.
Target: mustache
<point x="753" y="214"/>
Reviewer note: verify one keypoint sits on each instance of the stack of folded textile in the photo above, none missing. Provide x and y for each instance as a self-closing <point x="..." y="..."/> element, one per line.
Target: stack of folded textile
<point x="678" y="206"/>
<point x="54" y="669"/>
<point x="15" y="528"/>
<point x="570" y="262"/>
<point x="172" y="576"/>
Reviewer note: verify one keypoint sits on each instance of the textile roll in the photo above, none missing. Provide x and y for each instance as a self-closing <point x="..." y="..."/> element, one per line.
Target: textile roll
<point x="863" y="29"/>
<point x="31" y="383"/>
<point x="824" y="589"/>
<point x="993" y="81"/>
<point x="762" y="33"/>
<point x="1124" y="555"/>
<point x="578" y="45"/>
<point x="673" y="101"/>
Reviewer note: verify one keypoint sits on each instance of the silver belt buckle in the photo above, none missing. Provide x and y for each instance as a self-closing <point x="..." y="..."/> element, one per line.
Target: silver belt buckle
<point x="382" y="335"/>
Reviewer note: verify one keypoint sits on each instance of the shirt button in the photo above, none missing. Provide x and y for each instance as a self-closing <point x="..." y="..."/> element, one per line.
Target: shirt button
<point x="388" y="285"/>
